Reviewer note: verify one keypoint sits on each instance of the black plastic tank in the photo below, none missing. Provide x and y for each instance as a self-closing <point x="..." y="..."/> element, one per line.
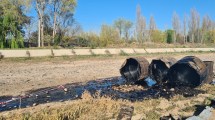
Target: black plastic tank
<point x="134" y="69"/>
<point x="159" y="68"/>
<point x="189" y="71"/>
<point x="210" y="75"/>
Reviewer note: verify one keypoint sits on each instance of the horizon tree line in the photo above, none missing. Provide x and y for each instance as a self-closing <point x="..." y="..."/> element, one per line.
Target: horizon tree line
<point x="56" y="26"/>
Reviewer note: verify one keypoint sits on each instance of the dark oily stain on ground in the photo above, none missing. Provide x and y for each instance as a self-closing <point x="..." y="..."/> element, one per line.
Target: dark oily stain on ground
<point x="114" y="87"/>
<point x="58" y="93"/>
<point x="155" y="92"/>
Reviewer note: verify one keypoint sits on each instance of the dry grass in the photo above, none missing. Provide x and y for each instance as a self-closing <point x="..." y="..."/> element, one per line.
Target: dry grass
<point x="85" y="109"/>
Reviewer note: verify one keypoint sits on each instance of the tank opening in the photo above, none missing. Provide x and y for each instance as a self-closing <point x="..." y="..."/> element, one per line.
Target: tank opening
<point x="159" y="71"/>
<point x="131" y="70"/>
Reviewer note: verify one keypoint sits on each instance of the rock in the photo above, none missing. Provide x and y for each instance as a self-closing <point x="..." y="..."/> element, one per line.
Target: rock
<point x="35" y="104"/>
<point x="169" y="117"/>
<point x="204" y="115"/>
<point x="139" y="87"/>
<point x="125" y="113"/>
<point x="13" y="98"/>
<point x="65" y="89"/>
<point x="28" y="106"/>
<point x="172" y="89"/>
<point x="213" y="82"/>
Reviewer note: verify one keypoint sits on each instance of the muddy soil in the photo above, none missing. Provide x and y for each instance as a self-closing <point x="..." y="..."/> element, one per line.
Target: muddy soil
<point x="18" y="77"/>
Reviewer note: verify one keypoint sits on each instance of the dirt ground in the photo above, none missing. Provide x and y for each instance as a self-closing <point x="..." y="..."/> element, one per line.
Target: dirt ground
<point x="20" y="75"/>
<point x="17" y="77"/>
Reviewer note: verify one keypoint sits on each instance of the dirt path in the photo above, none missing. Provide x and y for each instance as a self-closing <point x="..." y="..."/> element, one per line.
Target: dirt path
<point x="18" y="77"/>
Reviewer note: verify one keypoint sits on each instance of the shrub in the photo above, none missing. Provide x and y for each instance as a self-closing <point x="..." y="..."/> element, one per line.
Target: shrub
<point x="169" y="36"/>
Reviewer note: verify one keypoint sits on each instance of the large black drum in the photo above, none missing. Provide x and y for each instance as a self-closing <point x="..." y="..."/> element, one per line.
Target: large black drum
<point x="134" y="69"/>
<point x="189" y="71"/>
<point x="159" y="68"/>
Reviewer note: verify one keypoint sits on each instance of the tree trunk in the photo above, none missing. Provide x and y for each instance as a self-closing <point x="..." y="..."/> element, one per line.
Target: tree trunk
<point x="54" y="24"/>
<point x="126" y="36"/>
<point x="39" y="33"/>
<point x="54" y="28"/>
<point x="192" y="38"/>
<point x="184" y="39"/>
<point x="202" y="37"/>
<point x="42" y="27"/>
<point x="39" y="24"/>
<point x="120" y="33"/>
<point x="42" y="32"/>
<point x="149" y="38"/>
<point x="174" y="37"/>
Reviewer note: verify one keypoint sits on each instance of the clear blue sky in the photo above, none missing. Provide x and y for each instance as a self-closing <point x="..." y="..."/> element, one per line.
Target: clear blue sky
<point x="91" y="14"/>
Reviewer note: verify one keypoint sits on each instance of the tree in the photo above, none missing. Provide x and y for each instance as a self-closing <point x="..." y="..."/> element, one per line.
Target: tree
<point x="158" y="36"/>
<point x="206" y="26"/>
<point x="118" y="24"/>
<point x="152" y="27"/>
<point x="198" y="32"/>
<point x="62" y="14"/>
<point x="1" y="28"/>
<point x="170" y="36"/>
<point x="29" y="29"/>
<point x="12" y="20"/>
<point x="210" y="36"/>
<point x="75" y="30"/>
<point x="108" y="35"/>
<point x="127" y="26"/>
<point x="193" y="24"/>
<point x="2" y="38"/>
<point x="185" y="28"/>
<point x="91" y="38"/>
<point x="176" y="25"/>
<point x="123" y="27"/>
<point x="140" y="25"/>
<point x="40" y="8"/>
<point x="213" y="25"/>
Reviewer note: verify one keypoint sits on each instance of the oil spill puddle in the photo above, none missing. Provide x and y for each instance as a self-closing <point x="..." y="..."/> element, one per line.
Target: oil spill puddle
<point x="58" y="93"/>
